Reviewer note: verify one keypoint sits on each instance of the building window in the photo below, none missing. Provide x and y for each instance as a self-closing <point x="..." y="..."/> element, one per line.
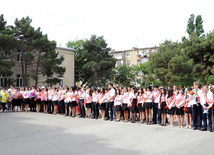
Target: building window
<point x="118" y="63"/>
<point x="61" y="83"/>
<point x="144" y="51"/>
<point x="138" y="52"/>
<point x="143" y="60"/>
<point x="128" y="62"/>
<point x="114" y="55"/>
<point x="128" y="54"/>
<point x="60" y="56"/>
<point x="4" y="80"/>
<point x="6" y="56"/>
<point x="19" y="80"/>
<point x="118" y="54"/>
<point x="138" y="62"/>
<point x="156" y="50"/>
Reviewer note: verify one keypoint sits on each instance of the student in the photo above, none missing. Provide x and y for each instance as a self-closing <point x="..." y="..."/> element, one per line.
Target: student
<point x="55" y="97"/>
<point x="87" y="102"/>
<point x="9" y="101"/>
<point x="38" y="99"/>
<point x="15" y="101"/>
<point x="110" y="102"/>
<point x="21" y="92"/>
<point x="125" y="104"/>
<point x="50" y="103"/>
<point x="179" y="103"/>
<point x="81" y="97"/>
<point x="95" y="98"/>
<point x="102" y="102"/>
<point x="140" y="106"/>
<point x="207" y="102"/>
<point x="26" y="98"/>
<point x="73" y="100"/>
<point x="188" y="110"/>
<point x="171" y="106"/>
<point x="4" y="97"/>
<point x="156" y="100"/>
<point x="61" y="101"/>
<point x="118" y="102"/>
<point x="33" y="94"/>
<point x="67" y="101"/>
<point x="148" y="97"/>
<point x="133" y="108"/>
<point x="163" y="106"/>
<point x="44" y="99"/>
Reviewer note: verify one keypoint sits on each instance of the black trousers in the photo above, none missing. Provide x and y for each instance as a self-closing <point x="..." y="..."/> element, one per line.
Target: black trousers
<point x="197" y="115"/>
<point x="3" y="106"/>
<point x="61" y="107"/>
<point x="50" y="106"/>
<point x="95" y="109"/>
<point x="82" y="108"/>
<point x="109" y="106"/>
<point x="33" y="104"/>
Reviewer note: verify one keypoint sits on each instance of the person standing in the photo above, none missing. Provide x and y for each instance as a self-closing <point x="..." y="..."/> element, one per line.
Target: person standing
<point x="197" y="108"/>
<point x="33" y="103"/>
<point x="95" y="98"/>
<point x="4" y="97"/>
<point x="140" y="101"/>
<point x="73" y="100"/>
<point x="118" y="102"/>
<point x="55" y="97"/>
<point x="12" y="90"/>
<point x="81" y="97"/>
<point x="110" y="101"/>
<point x="102" y="102"/>
<point x="9" y="101"/>
<point x="171" y="106"/>
<point x="163" y="106"/>
<point x="156" y="100"/>
<point x="126" y="103"/>
<point x="61" y="101"/>
<point x="207" y="102"/>
<point x="148" y="97"/>
<point x="50" y="103"/>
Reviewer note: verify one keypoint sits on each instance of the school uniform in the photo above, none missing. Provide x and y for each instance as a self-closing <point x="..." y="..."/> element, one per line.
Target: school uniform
<point x="148" y="102"/>
<point x="55" y="97"/>
<point x="38" y="99"/>
<point x="61" y="101"/>
<point x="126" y="102"/>
<point x="170" y="101"/>
<point x="189" y="108"/>
<point x="95" y="98"/>
<point x="73" y="99"/>
<point x="45" y="98"/>
<point x="15" y="100"/>
<point x="102" y="101"/>
<point x="27" y="97"/>
<point x="197" y="110"/>
<point x="110" y="105"/>
<point x="80" y="102"/>
<point x="50" y="103"/>
<point x="179" y="111"/>
<point x="139" y="103"/>
<point x="134" y="102"/>
<point x="156" y="110"/>
<point x="205" y="98"/>
<point x="162" y="105"/>
<point x="88" y="101"/>
<point x="118" y="102"/>
<point x="33" y="103"/>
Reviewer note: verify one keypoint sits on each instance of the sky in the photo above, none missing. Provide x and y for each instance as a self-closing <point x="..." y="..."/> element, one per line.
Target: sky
<point x="123" y="23"/>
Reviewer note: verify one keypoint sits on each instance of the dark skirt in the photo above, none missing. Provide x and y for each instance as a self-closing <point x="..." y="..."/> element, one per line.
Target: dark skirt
<point x="125" y="107"/>
<point x="74" y="103"/>
<point x="163" y="110"/>
<point x="171" y="111"/>
<point x="141" y="108"/>
<point x="134" y="106"/>
<point x="27" y="101"/>
<point x="118" y="108"/>
<point x="38" y="101"/>
<point x="54" y="102"/>
<point x="180" y="111"/>
<point x="189" y="110"/>
<point x="103" y="106"/>
<point x="45" y="102"/>
<point x="148" y="105"/>
<point x="16" y="102"/>
<point x="88" y="105"/>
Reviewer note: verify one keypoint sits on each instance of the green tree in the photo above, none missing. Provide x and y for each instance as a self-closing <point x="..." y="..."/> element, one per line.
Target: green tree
<point x="125" y="75"/>
<point x="99" y="62"/>
<point x="80" y="73"/>
<point x="195" y="25"/>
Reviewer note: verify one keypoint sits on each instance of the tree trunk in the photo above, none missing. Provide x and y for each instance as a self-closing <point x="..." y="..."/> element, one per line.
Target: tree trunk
<point x="25" y="79"/>
<point x="203" y="79"/>
<point x="37" y="68"/>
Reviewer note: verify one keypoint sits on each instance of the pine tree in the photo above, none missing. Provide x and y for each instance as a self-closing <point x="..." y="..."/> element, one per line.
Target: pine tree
<point x="99" y="62"/>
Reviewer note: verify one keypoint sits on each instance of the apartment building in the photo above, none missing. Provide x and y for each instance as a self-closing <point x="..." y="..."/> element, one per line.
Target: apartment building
<point x="135" y="56"/>
<point x="17" y="80"/>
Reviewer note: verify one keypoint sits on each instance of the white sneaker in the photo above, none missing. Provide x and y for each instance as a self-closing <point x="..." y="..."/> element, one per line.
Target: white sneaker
<point x="178" y="126"/>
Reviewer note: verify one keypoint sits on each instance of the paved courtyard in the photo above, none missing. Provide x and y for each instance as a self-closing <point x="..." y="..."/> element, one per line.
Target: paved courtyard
<point x="38" y="133"/>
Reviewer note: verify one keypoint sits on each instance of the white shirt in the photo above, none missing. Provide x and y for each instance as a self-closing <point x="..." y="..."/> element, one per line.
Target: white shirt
<point x="45" y="94"/>
<point x="102" y="98"/>
<point x="55" y="96"/>
<point x="210" y="98"/>
<point x="164" y="98"/>
<point x="50" y="94"/>
<point x="118" y="100"/>
<point x="33" y="91"/>
<point x="73" y="94"/>
<point x="95" y="97"/>
<point x="126" y="98"/>
<point x="112" y="94"/>
<point x="61" y="94"/>
<point x="157" y="100"/>
<point x="141" y="101"/>
<point x="177" y="97"/>
<point x="149" y="99"/>
<point x="27" y="94"/>
<point x="199" y="91"/>
<point x="88" y="99"/>
<point x="11" y="90"/>
<point x="82" y="93"/>
<point x="171" y="102"/>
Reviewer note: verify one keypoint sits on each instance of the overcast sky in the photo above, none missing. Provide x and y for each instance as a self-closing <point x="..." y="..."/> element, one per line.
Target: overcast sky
<point x="123" y="23"/>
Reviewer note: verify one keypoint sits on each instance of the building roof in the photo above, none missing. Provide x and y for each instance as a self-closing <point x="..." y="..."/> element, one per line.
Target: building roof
<point x="66" y="48"/>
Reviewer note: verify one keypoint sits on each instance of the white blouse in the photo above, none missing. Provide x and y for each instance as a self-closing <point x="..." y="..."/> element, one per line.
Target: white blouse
<point x="55" y="96"/>
<point x="88" y="99"/>
<point x="141" y="101"/>
<point x="126" y="98"/>
<point x="118" y="100"/>
<point x="148" y="100"/>
<point x="177" y="97"/>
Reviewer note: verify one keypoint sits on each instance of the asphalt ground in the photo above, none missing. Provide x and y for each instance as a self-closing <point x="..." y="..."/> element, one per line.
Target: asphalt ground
<point x="37" y="133"/>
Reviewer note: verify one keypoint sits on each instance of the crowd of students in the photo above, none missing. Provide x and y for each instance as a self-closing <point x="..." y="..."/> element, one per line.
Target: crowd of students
<point x="148" y="105"/>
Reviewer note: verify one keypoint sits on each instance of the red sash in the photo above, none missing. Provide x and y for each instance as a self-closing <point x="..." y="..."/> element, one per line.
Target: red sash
<point x="162" y="98"/>
<point x="148" y="97"/>
<point x="125" y="97"/>
<point x="87" y="100"/>
<point x="185" y="107"/>
<point x="205" y="97"/>
<point x="116" y="100"/>
<point x="139" y="99"/>
<point x="156" y="96"/>
<point x="60" y="95"/>
<point x="110" y="95"/>
<point x="179" y="99"/>
<point x="171" y="99"/>
<point x="81" y="93"/>
<point x="198" y="97"/>
<point x="101" y="97"/>
<point x="94" y="97"/>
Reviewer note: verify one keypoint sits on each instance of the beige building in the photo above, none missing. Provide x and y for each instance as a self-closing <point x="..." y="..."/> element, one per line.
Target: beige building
<point x="135" y="56"/>
<point x="66" y="79"/>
